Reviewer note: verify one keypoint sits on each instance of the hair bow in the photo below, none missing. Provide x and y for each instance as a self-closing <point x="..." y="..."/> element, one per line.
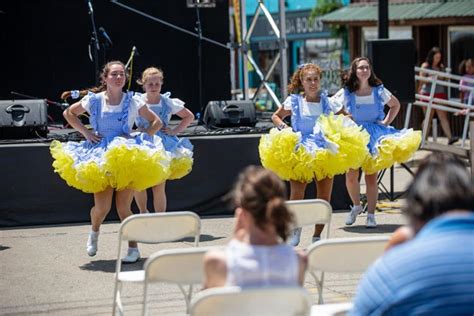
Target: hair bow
<point x="301" y="66"/>
<point x="75" y="94"/>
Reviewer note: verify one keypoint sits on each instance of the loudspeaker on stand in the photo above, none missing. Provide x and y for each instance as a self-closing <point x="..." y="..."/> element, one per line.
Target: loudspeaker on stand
<point x="231" y="113"/>
<point x="23" y="119"/>
<point x="393" y="61"/>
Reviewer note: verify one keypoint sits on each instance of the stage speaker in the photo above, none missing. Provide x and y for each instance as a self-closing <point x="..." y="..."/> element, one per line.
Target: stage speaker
<point x="230" y="113"/>
<point x="23" y="119"/>
<point x="393" y="61"/>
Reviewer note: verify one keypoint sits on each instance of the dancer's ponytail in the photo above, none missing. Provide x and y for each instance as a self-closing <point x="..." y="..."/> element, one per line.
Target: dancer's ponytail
<point x="279" y="215"/>
<point x="75" y="94"/>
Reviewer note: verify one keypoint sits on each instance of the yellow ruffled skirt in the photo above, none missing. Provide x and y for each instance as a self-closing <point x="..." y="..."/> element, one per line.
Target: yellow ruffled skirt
<point x="181" y="152"/>
<point x="121" y="163"/>
<point x="180" y="167"/>
<point x="352" y="143"/>
<point x="89" y="177"/>
<point x="282" y="151"/>
<point x="391" y="149"/>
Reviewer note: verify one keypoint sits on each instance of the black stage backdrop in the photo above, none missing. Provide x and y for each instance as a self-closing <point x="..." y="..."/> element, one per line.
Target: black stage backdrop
<point x="32" y="194"/>
<point x="45" y="47"/>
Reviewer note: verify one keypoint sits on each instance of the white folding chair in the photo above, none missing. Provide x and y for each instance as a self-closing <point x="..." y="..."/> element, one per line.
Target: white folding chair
<point x="151" y="228"/>
<point x="343" y="255"/>
<point x="234" y="301"/>
<point x="311" y="212"/>
<point x="336" y="309"/>
<point x="177" y="266"/>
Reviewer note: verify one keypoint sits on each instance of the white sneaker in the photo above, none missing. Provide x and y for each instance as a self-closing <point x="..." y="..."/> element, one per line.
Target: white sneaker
<point x="295" y="237"/>
<point x="370" y="222"/>
<point x="351" y="217"/>
<point x="92" y="243"/>
<point x="315" y="239"/>
<point x="133" y="255"/>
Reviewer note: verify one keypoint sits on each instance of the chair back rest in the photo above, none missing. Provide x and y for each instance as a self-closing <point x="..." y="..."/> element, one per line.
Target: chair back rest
<point x="310" y="212"/>
<point x="232" y="301"/>
<point x="178" y="266"/>
<point x="345" y="255"/>
<point x="334" y="309"/>
<point x="160" y="227"/>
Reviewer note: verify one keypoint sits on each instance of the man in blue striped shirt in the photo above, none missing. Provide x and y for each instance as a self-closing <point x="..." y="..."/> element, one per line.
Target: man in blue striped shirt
<point x="432" y="274"/>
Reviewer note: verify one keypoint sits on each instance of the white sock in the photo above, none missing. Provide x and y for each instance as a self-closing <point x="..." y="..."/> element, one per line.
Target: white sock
<point x="94" y="234"/>
<point x="371" y="215"/>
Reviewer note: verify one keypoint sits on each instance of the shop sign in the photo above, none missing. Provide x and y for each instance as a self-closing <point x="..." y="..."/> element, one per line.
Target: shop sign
<point x="299" y="25"/>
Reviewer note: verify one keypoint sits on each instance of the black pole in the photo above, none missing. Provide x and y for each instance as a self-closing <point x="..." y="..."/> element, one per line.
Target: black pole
<point x="94" y="43"/>
<point x="383" y="19"/>
<point x="199" y="30"/>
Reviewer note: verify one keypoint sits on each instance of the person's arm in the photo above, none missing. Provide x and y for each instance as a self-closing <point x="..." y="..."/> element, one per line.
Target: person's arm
<point x="150" y="116"/>
<point x="337" y="103"/>
<point x="215" y="269"/>
<point x="186" y="118"/>
<point x="71" y="115"/>
<point x="278" y="116"/>
<point x="303" y="264"/>
<point x="424" y="66"/>
<point x="422" y="74"/>
<point x="343" y="112"/>
<point x="394" y="106"/>
<point x="399" y="236"/>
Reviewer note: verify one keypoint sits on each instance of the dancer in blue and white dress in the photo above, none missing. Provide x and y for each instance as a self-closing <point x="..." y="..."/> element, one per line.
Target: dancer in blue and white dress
<point x="179" y="149"/>
<point x="364" y="98"/>
<point x="110" y="159"/>
<point x="319" y="144"/>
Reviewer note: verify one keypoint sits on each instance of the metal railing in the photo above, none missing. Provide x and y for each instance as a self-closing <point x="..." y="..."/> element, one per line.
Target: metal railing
<point x="429" y="102"/>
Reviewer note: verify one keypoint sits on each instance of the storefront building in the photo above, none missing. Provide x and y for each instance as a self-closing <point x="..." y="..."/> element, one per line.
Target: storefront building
<point x="448" y="24"/>
<point x="309" y="40"/>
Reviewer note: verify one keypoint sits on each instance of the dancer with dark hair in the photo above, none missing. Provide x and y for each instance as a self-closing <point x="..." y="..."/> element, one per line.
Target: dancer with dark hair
<point x="110" y="159"/>
<point x="466" y="70"/>
<point x="257" y="254"/>
<point x="179" y="149"/>
<point x="364" y="98"/>
<point x="319" y="144"/>
<point x="434" y="62"/>
<point x="430" y="270"/>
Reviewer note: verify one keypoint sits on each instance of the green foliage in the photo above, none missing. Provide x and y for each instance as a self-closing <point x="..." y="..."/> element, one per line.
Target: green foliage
<point x="327" y="6"/>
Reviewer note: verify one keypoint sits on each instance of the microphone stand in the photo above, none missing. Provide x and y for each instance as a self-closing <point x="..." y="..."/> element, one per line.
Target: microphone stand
<point x="129" y="65"/>
<point x="94" y="42"/>
<point x="199" y="31"/>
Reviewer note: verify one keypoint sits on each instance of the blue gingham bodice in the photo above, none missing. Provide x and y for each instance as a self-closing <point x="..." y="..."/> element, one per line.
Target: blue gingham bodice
<point x="162" y="110"/>
<point x="366" y="113"/>
<point x="109" y="124"/>
<point x="305" y="124"/>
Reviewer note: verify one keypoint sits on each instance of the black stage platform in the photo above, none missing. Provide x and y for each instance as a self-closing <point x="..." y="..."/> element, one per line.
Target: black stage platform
<point x="32" y="194"/>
